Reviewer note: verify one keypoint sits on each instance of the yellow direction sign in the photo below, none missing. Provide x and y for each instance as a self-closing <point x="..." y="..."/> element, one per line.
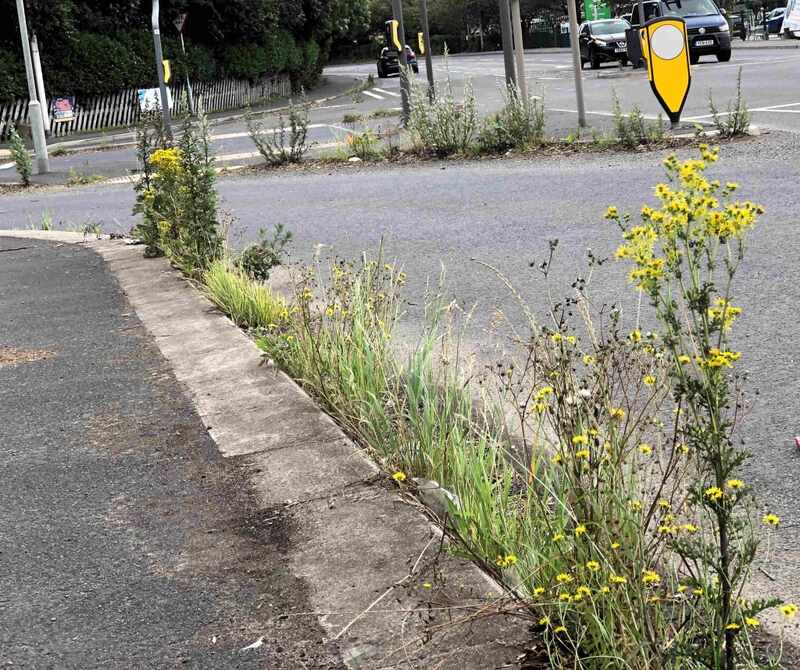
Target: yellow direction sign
<point x="167" y="71"/>
<point x="666" y="50"/>
<point x="421" y="43"/>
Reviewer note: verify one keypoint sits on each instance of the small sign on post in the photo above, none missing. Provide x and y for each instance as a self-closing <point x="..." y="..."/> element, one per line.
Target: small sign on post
<point x="63" y="109"/>
<point x="665" y="48"/>
<point x="180" y="22"/>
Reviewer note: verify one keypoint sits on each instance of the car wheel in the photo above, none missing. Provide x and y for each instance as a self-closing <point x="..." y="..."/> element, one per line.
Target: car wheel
<point x="623" y="61"/>
<point x="595" y="60"/>
<point x="724" y="56"/>
<point x="381" y="72"/>
<point x="693" y="58"/>
<point x="416" y="69"/>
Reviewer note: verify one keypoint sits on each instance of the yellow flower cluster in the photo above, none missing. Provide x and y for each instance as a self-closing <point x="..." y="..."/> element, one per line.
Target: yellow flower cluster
<point x="507" y="561"/>
<point x="717" y="358"/>
<point x="688" y="214"/>
<point x="723" y="313"/>
<point x="165" y="160"/>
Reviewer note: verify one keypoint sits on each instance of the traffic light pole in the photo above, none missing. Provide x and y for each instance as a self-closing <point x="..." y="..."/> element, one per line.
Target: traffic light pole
<point x="519" y="48"/>
<point x="34" y="110"/>
<point x="165" y="111"/>
<point x="397" y="11"/>
<point x="505" y="33"/>
<point x="426" y="35"/>
<point x="574" y="43"/>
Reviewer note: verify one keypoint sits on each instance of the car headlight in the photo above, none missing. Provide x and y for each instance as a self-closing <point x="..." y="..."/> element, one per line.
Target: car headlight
<point x="724" y="28"/>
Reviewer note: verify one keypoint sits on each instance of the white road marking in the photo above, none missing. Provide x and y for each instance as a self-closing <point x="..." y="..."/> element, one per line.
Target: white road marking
<point x="392" y="93"/>
<point x="373" y="95"/>
<point x="6" y="166"/>
<point x="233" y="136"/>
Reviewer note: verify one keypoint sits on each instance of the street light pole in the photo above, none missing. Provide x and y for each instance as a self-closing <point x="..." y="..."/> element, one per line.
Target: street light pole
<point x="426" y="35"/>
<point x="505" y="34"/>
<point x="37" y="73"/>
<point x="165" y="112"/>
<point x="34" y="110"/>
<point x="397" y="11"/>
<point x="574" y="43"/>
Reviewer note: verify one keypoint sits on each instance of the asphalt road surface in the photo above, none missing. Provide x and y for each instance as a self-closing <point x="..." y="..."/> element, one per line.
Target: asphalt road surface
<point x="126" y="540"/>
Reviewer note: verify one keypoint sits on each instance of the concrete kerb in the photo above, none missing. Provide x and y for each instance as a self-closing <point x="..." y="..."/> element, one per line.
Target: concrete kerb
<point x="367" y="555"/>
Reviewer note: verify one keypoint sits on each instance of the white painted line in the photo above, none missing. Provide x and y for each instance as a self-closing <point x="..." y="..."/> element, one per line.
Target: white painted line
<point x="233" y="136"/>
<point x="6" y="166"/>
<point x="769" y="108"/>
<point x="373" y="95"/>
<point x="392" y="93"/>
<point x="776" y="111"/>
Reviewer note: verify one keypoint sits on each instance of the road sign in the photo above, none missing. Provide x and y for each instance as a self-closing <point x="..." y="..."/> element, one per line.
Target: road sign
<point x="180" y="22"/>
<point x="666" y="49"/>
<point x="63" y="109"/>
<point x="167" y="71"/>
<point x="421" y="43"/>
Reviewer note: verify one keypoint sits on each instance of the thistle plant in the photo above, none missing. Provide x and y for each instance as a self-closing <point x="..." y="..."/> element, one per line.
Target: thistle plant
<point x="21" y="157"/>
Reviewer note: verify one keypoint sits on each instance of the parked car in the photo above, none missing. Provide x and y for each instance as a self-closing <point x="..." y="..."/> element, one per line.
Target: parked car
<point x="389" y="61"/>
<point x="706" y="27"/>
<point x="603" y="41"/>
<point x="775" y="20"/>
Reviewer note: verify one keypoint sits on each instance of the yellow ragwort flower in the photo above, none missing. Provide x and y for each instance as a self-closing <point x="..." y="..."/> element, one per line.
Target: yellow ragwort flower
<point x="581" y="439"/>
<point x="583" y="453"/>
<point x="645" y="449"/>
<point x="649" y="380"/>
<point x="592" y="566"/>
<point x="399" y="476"/>
<point x="580" y="529"/>
<point x="735" y="484"/>
<point x="714" y="493"/>
<point x="788" y="610"/>
<point x="771" y="519"/>
<point x="752" y="622"/>
<point x="650" y="577"/>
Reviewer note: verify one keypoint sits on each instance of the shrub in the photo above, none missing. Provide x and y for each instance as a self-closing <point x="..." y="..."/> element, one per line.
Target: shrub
<point x="177" y="199"/>
<point x="249" y="303"/>
<point x="737" y="119"/>
<point x="150" y="137"/>
<point x="21" y="157"/>
<point x="442" y="126"/>
<point x="518" y="125"/>
<point x="274" y="145"/>
<point x="246" y="61"/>
<point x="260" y="257"/>
<point x="12" y="77"/>
<point x="632" y="130"/>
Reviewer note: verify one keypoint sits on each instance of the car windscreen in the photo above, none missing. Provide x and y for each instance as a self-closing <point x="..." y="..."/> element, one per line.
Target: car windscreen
<point x="686" y="8"/>
<point x="609" y="27"/>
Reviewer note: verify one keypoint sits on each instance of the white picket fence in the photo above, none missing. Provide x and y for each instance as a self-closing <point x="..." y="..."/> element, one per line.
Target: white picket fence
<point x="122" y="109"/>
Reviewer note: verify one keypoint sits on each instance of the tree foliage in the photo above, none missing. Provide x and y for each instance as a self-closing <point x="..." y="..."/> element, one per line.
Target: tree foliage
<point x="99" y="46"/>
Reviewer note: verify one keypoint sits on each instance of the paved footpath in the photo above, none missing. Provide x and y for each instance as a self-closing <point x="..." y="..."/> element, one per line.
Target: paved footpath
<point x="126" y="541"/>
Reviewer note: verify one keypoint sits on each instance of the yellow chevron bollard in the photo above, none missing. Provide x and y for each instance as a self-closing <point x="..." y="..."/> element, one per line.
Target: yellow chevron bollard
<point x="665" y="48"/>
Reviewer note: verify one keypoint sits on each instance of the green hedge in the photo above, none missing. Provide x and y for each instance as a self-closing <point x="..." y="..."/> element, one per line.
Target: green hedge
<point x="96" y="64"/>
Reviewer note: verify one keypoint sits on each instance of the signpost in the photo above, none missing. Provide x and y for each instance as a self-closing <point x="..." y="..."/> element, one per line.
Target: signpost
<point x="64" y="109"/>
<point x="426" y="36"/>
<point x="179" y="23"/>
<point x="162" y="86"/>
<point x="666" y="50"/>
<point x="34" y="111"/>
<point x="400" y="42"/>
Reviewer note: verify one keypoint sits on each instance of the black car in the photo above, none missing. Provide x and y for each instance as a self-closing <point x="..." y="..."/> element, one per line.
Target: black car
<point x="739" y="25"/>
<point x="603" y="41"/>
<point x="389" y="61"/>
<point x="706" y="27"/>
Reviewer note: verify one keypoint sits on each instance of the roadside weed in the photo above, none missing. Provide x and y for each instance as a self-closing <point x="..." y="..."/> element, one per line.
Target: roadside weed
<point x="281" y="144"/>
<point x="21" y="157"/>
<point x="249" y="303"/>
<point x="736" y="120"/>
<point x="518" y="125"/>
<point x="594" y="471"/>
<point x="633" y="129"/>
<point x="76" y="178"/>
<point x="46" y="222"/>
<point x="442" y="126"/>
<point x="259" y="258"/>
<point x="364" y="144"/>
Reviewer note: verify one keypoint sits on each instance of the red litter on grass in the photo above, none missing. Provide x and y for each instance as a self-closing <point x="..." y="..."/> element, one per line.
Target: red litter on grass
<point x="797" y="441"/>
